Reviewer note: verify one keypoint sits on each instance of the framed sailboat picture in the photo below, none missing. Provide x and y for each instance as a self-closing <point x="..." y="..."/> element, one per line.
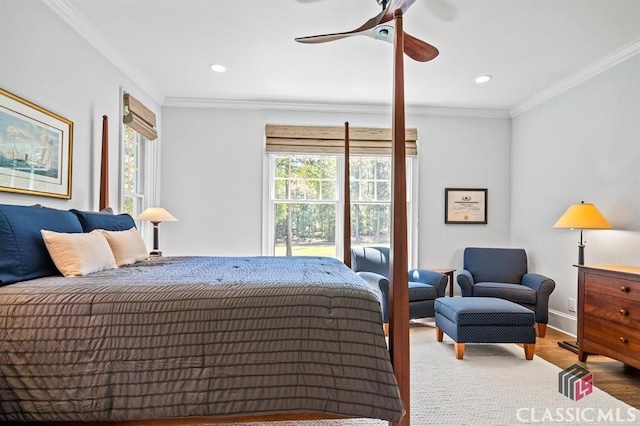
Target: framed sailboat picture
<point x="35" y="149"/>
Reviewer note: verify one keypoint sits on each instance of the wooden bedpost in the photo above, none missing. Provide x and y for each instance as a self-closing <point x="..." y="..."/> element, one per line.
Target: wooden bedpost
<point x="347" y="200"/>
<point x="399" y="291"/>
<point x="104" y="165"/>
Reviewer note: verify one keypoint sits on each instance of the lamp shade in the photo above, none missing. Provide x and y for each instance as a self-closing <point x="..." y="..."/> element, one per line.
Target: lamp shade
<point x="582" y="216"/>
<point x="156" y="214"/>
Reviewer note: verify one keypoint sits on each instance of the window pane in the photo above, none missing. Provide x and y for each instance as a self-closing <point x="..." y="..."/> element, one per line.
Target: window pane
<point x="313" y="190"/>
<point x="383" y="169"/>
<point x="128" y="205"/>
<point x="370" y="224"/>
<point x="328" y="190"/>
<point x="383" y="191"/>
<point x="282" y="167"/>
<point x="367" y="168"/>
<point x="305" y="229"/>
<point x="297" y="189"/>
<point x="367" y="191"/>
<point x="281" y="189"/>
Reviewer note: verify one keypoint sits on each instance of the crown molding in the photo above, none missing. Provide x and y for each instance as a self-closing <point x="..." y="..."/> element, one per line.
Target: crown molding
<point x="581" y="76"/>
<point x="329" y="107"/>
<point x="75" y="19"/>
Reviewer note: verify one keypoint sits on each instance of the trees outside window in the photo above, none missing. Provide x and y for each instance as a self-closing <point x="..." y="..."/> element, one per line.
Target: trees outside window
<point x="306" y="203"/>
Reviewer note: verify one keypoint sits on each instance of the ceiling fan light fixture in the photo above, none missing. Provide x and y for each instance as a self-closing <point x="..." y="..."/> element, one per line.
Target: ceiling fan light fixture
<point x="483" y="78"/>
<point x="217" y="67"/>
<point x="383" y="32"/>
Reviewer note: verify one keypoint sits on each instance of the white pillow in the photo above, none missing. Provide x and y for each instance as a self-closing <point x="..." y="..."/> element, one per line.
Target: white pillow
<point x="80" y="253"/>
<point x="127" y="246"/>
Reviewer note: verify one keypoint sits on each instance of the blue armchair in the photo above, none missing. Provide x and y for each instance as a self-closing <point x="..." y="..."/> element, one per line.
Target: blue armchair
<point x="502" y="273"/>
<point x="372" y="264"/>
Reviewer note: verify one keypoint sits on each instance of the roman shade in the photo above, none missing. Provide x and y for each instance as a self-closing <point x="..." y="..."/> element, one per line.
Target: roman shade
<point x="139" y="117"/>
<point x="330" y="140"/>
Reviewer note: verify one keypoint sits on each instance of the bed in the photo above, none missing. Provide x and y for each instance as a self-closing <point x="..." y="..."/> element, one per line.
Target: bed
<point x="93" y="350"/>
<point x="195" y="337"/>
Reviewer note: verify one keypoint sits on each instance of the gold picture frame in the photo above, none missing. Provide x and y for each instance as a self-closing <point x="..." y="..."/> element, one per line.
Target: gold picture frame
<point x="36" y="147"/>
<point x="465" y="205"/>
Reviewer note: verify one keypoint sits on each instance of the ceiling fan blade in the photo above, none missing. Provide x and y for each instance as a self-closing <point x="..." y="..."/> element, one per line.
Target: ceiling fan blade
<point x="385" y="16"/>
<point x="323" y="38"/>
<point x="419" y="50"/>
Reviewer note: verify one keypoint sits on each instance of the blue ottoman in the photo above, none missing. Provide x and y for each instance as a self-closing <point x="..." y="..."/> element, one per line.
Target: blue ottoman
<point x="484" y="320"/>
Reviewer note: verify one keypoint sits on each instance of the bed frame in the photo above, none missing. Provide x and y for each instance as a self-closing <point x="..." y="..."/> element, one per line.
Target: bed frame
<point x="399" y="291"/>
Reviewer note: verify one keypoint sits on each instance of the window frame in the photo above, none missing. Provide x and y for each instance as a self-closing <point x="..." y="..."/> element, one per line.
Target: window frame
<point x="268" y="230"/>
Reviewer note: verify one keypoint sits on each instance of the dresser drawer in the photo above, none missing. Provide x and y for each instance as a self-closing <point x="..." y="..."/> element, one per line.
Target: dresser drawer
<point x="618" y="338"/>
<point x="612" y="286"/>
<point x="619" y="310"/>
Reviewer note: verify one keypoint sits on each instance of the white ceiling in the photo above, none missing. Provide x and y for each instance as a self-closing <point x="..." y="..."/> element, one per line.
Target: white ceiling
<point x="531" y="47"/>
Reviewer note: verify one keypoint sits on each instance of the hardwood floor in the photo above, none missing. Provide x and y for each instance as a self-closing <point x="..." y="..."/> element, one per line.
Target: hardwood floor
<point x="611" y="376"/>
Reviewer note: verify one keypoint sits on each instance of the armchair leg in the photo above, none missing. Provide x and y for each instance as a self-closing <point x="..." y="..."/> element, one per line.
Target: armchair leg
<point x="459" y="350"/>
<point x="439" y="334"/>
<point x="542" y="329"/>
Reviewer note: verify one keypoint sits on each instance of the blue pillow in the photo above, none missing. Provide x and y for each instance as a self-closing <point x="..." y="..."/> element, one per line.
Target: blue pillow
<point x="23" y="255"/>
<point x="109" y="222"/>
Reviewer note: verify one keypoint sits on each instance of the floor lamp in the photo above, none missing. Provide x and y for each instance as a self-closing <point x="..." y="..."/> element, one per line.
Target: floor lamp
<point x="581" y="216"/>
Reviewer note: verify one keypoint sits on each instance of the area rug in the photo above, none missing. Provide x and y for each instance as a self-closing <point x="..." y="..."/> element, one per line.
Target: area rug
<point x="493" y="385"/>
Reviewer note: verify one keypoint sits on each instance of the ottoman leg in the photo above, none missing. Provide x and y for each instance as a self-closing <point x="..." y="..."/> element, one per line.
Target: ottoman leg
<point x="529" y="349"/>
<point x="439" y="334"/>
<point x="459" y="350"/>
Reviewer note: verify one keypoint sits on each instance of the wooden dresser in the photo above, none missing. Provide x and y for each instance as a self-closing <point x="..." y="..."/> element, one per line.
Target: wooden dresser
<point x="609" y="312"/>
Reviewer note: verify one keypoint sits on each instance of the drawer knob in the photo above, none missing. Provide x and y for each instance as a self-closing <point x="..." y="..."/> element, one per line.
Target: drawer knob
<point x="623" y="340"/>
<point x="624" y="311"/>
<point x="624" y="289"/>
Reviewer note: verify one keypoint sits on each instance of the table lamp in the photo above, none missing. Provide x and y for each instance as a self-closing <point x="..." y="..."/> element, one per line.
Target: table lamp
<point x="155" y="215"/>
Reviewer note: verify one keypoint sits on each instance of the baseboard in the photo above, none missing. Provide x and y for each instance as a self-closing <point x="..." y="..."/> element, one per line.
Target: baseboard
<point x="566" y="323"/>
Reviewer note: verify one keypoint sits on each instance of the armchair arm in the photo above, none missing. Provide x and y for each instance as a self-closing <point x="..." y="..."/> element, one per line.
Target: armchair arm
<point x="436" y="279"/>
<point x="380" y="286"/>
<point x="543" y="287"/>
<point x="465" y="281"/>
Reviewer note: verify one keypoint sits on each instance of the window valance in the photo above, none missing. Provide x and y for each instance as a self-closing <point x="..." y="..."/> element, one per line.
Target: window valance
<point x="139" y="117"/>
<point x="321" y="140"/>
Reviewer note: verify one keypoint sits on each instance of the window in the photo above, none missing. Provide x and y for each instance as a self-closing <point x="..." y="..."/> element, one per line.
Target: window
<point x="306" y="199"/>
<point x="370" y="201"/>
<point x="304" y="191"/>
<point x="133" y="165"/>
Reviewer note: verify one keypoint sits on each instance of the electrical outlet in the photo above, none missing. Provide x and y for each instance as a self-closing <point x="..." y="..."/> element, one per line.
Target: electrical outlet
<point x="572" y="304"/>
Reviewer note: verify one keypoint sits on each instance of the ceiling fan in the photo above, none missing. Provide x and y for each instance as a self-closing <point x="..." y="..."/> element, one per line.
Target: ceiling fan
<point x="380" y="27"/>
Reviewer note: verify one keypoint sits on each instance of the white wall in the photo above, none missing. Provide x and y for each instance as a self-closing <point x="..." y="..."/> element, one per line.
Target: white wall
<point x="43" y="60"/>
<point x="583" y="145"/>
<point x="213" y="178"/>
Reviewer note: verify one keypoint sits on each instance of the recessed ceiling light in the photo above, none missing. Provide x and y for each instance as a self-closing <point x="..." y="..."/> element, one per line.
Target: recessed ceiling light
<point x="218" y="67"/>
<point x="484" y="78"/>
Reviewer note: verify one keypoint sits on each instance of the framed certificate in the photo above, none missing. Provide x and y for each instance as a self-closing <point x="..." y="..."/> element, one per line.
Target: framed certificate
<point x="465" y="205"/>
